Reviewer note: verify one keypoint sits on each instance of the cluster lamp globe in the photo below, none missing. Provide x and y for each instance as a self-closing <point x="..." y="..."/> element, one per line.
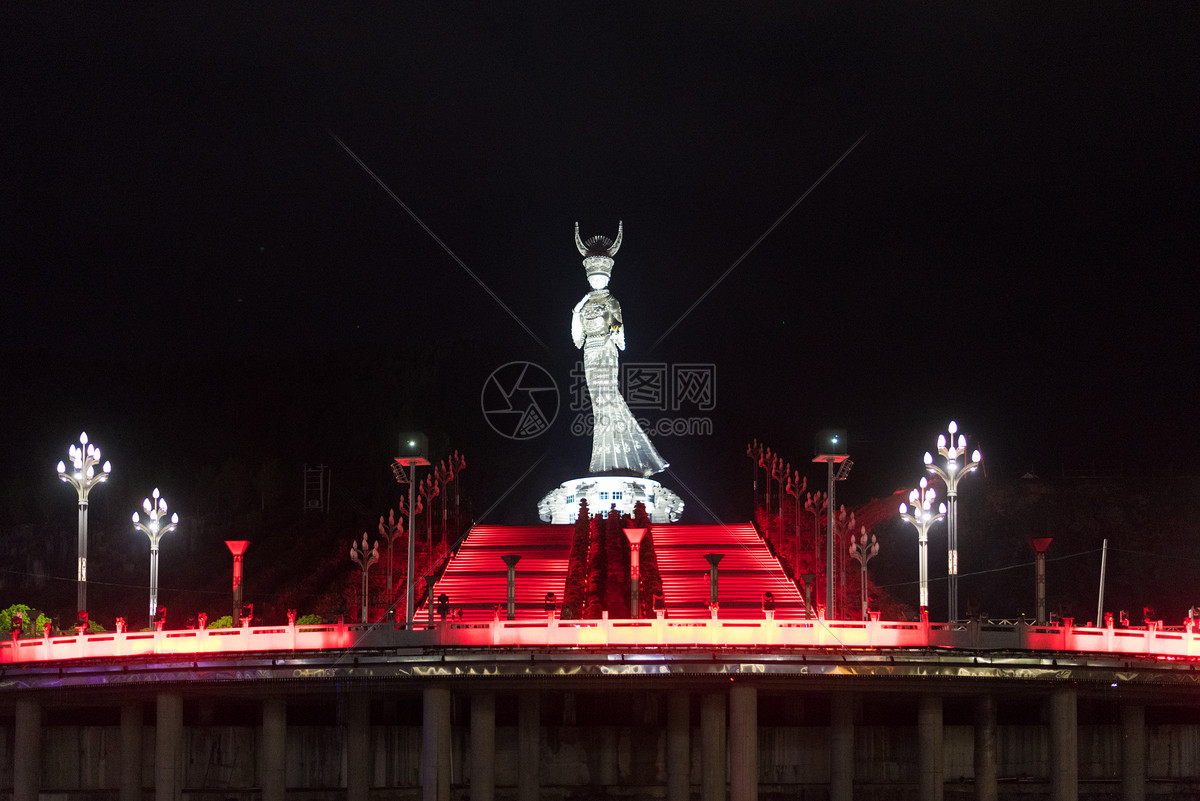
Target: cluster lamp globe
<point x="82" y="475"/>
<point x="922" y="518"/>
<point x="952" y="450"/>
<point x="155" y="528"/>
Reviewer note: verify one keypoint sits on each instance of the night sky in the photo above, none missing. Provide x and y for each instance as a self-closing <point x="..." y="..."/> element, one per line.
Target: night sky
<point x="198" y="270"/>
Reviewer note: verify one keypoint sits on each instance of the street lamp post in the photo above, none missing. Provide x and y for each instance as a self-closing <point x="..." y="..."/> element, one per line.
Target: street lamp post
<point x="634" y="535"/>
<point x="390" y="531"/>
<point x="864" y="549"/>
<point x="951" y="474"/>
<point x="814" y="504"/>
<point x="238" y="549"/>
<point x="922" y="519"/>
<point x="831" y="449"/>
<point x="364" y="559"/>
<point x="414" y="448"/>
<point x="155" y="529"/>
<point x="796" y="485"/>
<point x="83" y="476"/>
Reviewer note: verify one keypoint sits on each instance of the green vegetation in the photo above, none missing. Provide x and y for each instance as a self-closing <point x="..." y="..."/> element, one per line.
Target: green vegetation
<point x="33" y="622"/>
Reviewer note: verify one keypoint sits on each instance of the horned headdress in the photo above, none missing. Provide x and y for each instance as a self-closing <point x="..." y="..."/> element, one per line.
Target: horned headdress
<point x="598" y="251"/>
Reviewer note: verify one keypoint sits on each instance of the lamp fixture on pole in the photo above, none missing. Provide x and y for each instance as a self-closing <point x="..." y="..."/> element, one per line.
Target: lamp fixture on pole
<point x="864" y="549"/>
<point x="364" y="558"/>
<point x="922" y="519"/>
<point x="634" y="535"/>
<point x="155" y="529"/>
<point x="952" y="450"/>
<point x="414" y="448"/>
<point x="831" y="449"/>
<point x="83" y="476"/>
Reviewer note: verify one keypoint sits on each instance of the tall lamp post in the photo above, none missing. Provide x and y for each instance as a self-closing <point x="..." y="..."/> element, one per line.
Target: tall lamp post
<point x="922" y="519"/>
<point x="814" y="504"/>
<point x="414" y="448"/>
<point x="634" y="535"/>
<point x="864" y="549"/>
<point x="796" y="485"/>
<point x="238" y="549"/>
<point x="390" y="531"/>
<point x="83" y="476"/>
<point x="952" y="451"/>
<point x="364" y="559"/>
<point x="155" y="529"/>
<point x="831" y="449"/>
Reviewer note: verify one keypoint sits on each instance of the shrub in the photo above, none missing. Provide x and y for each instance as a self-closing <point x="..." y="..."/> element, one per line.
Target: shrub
<point x="32" y="621"/>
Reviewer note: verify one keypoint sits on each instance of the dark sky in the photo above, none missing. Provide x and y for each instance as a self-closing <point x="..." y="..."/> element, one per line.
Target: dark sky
<point x="196" y="267"/>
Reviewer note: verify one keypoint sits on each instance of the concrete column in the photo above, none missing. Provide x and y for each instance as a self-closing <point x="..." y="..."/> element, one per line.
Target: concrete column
<point x="986" y="788"/>
<point x="131" y="753"/>
<point x="841" y="747"/>
<point x="435" y="745"/>
<point x="358" y="745"/>
<point x="27" y="750"/>
<point x="679" y="752"/>
<point x="529" y="737"/>
<point x="1064" y="749"/>
<point x="929" y="747"/>
<point x="743" y="742"/>
<point x="168" y="748"/>
<point x="274" y="749"/>
<point x="1133" y="752"/>
<point x="483" y="747"/>
<point x="712" y="747"/>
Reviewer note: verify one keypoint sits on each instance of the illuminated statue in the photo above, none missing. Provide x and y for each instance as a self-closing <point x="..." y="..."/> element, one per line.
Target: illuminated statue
<point x="618" y="443"/>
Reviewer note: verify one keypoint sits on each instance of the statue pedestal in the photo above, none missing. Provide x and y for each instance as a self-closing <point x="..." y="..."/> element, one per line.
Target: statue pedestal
<point x="561" y="505"/>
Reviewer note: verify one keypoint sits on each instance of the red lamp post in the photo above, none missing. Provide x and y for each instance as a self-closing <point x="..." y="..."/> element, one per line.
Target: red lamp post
<point x="634" y="535"/>
<point x="237" y="548"/>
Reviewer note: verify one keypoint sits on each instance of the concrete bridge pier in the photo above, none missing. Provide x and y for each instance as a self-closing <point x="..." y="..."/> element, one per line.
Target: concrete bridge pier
<point x="529" y="728"/>
<point x="712" y="747"/>
<point x="274" y="749"/>
<point x="358" y="745"/>
<point x="27" y="750"/>
<point x="743" y="742"/>
<point x="131" y="753"/>
<point x="1133" y="752"/>
<point x="483" y="746"/>
<point x="841" y="747"/>
<point x="932" y="781"/>
<point x="986" y="774"/>
<point x="1064" y="746"/>
<point x="435" y="745"/>
<point x="679" y="753"/>
<point x="168" y="747"/>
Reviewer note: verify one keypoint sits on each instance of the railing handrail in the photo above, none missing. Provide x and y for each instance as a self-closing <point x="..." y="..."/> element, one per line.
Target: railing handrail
<point x="675" y="632"/>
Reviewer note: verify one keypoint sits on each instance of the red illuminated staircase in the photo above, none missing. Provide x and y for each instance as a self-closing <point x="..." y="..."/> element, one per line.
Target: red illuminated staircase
<point x="475" y="580"/>
<point x="747" y="570"/>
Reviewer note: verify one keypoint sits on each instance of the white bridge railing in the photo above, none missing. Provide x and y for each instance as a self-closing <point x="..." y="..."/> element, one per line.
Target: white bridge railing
<point x="700" y="632"/>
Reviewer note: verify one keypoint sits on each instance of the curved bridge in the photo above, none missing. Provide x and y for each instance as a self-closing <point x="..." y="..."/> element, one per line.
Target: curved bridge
<point x="676" y="709"/>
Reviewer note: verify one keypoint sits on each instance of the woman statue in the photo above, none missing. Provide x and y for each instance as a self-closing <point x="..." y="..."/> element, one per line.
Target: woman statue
<point x="618" y="443"/>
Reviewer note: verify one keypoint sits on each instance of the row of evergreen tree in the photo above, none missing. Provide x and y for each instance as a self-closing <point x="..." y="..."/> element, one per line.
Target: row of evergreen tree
<point x="598" y="569"/>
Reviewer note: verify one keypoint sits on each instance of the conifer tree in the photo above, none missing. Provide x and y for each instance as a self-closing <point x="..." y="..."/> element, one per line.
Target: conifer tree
<point x="596" y="572"/>
<point x="575" y="594"/>
<point x="616" y="589"/>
